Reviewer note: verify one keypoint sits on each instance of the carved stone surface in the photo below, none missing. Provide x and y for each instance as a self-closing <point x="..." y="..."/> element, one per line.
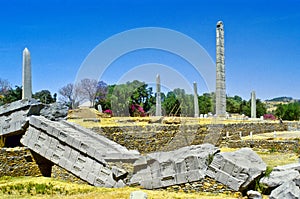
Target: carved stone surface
<point x="277" y="178"/>
<point x="220" y="70"/>
<point x="287" y="190"/>
<point x="78" y="150"/>
<point x="162" y="169"/>
<point x="14" y="116"/>
<point x="196" y="105"/>
<point x="295" y="166"/>
<point x="236" y="169"/>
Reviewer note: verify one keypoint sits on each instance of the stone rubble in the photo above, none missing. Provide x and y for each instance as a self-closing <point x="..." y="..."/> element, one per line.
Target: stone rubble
<point x="277" y="178"/>
<point x="284" y="181"/>
<point x="162" y="169"/>
<point x="287" y="190"/>
<point x="56" y="111"/>
<point x="236" y="169"/>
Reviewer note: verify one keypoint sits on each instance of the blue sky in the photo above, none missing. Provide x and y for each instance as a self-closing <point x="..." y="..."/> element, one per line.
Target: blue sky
<point x="262" y="43"/>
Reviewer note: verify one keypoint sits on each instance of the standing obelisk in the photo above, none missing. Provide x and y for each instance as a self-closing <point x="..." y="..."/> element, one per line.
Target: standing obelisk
<point x="220" y="75"/>
<point x="196" y="104"/>
<point x="26" y="75"/>
<point x="253" y="104"/>
<point x="158" y="97"/>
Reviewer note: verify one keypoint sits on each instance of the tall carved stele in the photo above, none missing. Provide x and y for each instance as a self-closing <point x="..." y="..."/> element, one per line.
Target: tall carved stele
<point x="253" y="104"/>
<point x="26" y="75"/>
<point x="158" y="97"/>
<point x="196" y="104"/>
<point x="220" y="72"/>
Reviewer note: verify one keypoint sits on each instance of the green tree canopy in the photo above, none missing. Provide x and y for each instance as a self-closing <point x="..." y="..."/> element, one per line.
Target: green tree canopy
<point x="45" y="96"/>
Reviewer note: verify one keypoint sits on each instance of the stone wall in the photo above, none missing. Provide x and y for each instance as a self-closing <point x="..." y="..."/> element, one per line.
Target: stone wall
<point x="163" y="137"/>
<point x="18" y="161"/>
<point x="255" y="128"/>
<point x="293" y="126"/>
<point x="273" y="145"/>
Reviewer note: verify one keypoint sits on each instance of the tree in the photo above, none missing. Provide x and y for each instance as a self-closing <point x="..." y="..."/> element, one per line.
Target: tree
<point x="4" y="86"/>
<point x="261" y="108"/>
<point x="289" y="111"/>
<point x="171" y="104"/>
<point x="232" y="105"/>
<point x="88" y="89"/>
<point x="11" y="95"/>
<point x="67" y="94"/>
<point x="205" y="103"/>
<point x="45" y="96"/>
<point x="134" y="93"/>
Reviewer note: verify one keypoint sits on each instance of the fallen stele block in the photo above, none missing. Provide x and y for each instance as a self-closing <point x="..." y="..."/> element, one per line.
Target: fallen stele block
<point x="162" y="169"/>
<point x="78" y="150"/>
<point x="14" y="116"/>
<point x="236" y="169"/>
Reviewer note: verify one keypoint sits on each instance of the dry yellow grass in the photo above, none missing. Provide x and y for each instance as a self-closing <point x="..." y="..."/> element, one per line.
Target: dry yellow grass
<point x="272" y="159"/>
<point x="278" y="135"/>
<point x="18" y="188"/>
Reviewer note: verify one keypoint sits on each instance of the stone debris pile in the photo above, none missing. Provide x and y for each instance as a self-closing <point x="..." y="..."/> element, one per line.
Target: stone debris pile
<point x="284" y="181"/>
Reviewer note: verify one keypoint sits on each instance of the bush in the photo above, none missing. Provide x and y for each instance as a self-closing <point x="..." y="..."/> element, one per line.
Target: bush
<point x="269" y="117"/>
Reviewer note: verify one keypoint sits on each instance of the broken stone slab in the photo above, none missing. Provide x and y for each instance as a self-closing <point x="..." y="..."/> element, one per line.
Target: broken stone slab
<point x="85" y="140"/>
<point x="287" y="190"/>
<point x="277" y="178"/>
<point x="138" y="195"/>
<point x="24" y="104"/>
<point x="297" y="181"/>
<point x="254" y="194"/>
<point x="14" y="117"/>
<point x="236" y="169"/>
<point x="295" y="166"/>
<point x="73" y="150"/>
<point x="162" y="169"/>
<point x="55" y="111"/>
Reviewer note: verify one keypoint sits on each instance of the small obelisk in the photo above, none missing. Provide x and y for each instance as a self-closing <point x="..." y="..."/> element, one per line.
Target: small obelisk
<point x="196" y="105"/>
<point x="220" y="72"/>
<point x="26" y="75"/>
<point x="158" y="97"/>
<point x="253" y="104"/>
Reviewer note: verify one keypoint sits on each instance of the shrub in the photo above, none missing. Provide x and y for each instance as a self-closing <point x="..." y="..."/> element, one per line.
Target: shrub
<point x="269" y="117"/>
<point x="108" y="111"/>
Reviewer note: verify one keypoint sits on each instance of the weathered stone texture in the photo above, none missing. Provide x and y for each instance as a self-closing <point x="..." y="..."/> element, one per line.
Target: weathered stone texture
<point x="276" y="145"/>
<point x="26" y="75"/>
<point x="14" y="117"/>
<point x="18" y="161"/>
<point x="277" y="178"/>
<point x="77" y="150"/>
<point x="220" y="71"/>
<point x="164" y="137"/>
<point x="288" y="190"/>
<point x="56" y="111"/>
<point x="236" y="169"/>
<point x="162" y="169"/>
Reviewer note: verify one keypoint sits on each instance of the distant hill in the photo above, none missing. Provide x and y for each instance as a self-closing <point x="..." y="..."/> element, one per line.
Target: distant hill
<point x="281" y="99"/>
